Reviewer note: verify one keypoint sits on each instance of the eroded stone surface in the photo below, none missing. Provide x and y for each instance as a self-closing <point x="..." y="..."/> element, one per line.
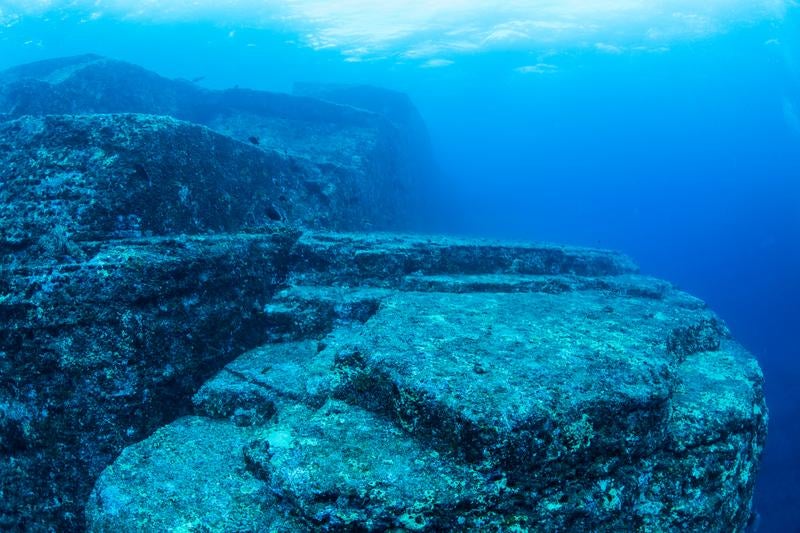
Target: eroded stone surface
<point x="68" y="179"/>
<point x="204" y="484"/>
<point x="498" y="372"/>
<point x="138" y="255"/>
<point x="152" y="267"/>
<point x="379" y="259"/>
<point x="98" y="353"/>
<point x="282" y="373"/>
<point x="370" y="160"/>
<point x="343" y="468"/>
<point x="566" y="409"/>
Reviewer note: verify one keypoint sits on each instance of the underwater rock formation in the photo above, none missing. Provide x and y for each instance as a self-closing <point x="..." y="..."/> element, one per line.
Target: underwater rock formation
<point x="411" y="132"/>
<point x="379" y="159"/>
<point x="185" y="344"/>
<point x="113" y="289"/>
<point x="98" y="177"/>
<point x="538" y="390"/>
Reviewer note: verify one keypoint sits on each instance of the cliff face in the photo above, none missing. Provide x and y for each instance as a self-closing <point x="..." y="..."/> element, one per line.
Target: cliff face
<point x="410" y="134"/>
<point x="359" y="148"/>
<point x="185" y="344"/>
<point x="95" y="177"/>
<point x="436" y="384"/>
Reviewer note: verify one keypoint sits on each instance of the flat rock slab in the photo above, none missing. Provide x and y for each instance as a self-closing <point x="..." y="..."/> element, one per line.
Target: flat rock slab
<point x="520" y="379"/>
<point x="347" y="469"/>
<point x="399" y="396"/>
<point x="188" y="476"/>
<point x="385" y="259"/>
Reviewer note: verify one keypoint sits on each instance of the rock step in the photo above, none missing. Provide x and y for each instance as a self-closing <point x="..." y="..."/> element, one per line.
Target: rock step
<point x="614" y="286"/>
<point x="384" y="260"/>
<point x="335" y="468"/>
<point x="302" y="312"/>
<point x="492" y="376"/>
<point x="487" y="411"/>
<point x="97" y="354"/>
<point x="249" y="390"/>
<point x="715" y="435"/>
<point x="468" y="371"/>
<point x="470" y="359"/>
<point x="344" y="469"/>
<point x="188" y="476"/>
<point x="310" y="311"/>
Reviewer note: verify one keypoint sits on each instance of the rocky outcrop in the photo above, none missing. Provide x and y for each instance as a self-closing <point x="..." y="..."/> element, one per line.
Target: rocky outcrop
<point x="98" y="352"/>
<point x="543" y="389"/>
<point x="411" y="133"/>
<point x="95" y="177"/>
<point x="186" y="345"/>
<point x="377" y="160"/>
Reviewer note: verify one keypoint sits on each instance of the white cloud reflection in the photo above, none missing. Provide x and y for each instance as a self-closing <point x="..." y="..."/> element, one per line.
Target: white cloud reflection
<point x="437" y="63"/>
<point x="429" y="28"/>
<point x="538" y="68"/>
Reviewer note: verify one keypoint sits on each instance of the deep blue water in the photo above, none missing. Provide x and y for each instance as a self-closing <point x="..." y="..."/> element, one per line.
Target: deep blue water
<point x="688" y="159"/>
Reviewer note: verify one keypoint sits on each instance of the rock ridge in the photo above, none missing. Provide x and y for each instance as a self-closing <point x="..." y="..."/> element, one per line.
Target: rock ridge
<point x="383" y="164"/>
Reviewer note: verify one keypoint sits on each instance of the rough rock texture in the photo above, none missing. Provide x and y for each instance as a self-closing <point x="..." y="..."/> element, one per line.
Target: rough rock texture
<point x="209" y="488"/>
<point x="182" y="348"/>
<point x="81" y="178"/>
<point x="546" y="389"/>
<point x="97" y="353"/>
<point x="121" y="262"/>
<point x="376" y="160"/>
<point x="411" y="132"/>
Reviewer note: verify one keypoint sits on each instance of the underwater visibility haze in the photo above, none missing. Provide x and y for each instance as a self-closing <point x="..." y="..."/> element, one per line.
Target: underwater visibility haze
<point x="280" y="266"/>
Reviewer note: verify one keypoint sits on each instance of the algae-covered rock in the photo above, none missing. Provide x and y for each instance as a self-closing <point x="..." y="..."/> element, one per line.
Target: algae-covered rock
<point x="379" y="259"/>
<point x="91" y="84"/>
<point x="490" y="400"/>
<point x="183" y="348"/>
<point x="89" y="178"/>
<point x="202" y="487"/>
<point x="372" y="162"/>
<point x="98" y="353"/>
<point x="343" y="468"/>
<point x="249" y="389"/>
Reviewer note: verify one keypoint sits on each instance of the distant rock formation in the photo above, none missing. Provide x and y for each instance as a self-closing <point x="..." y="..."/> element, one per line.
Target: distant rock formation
<point x="371" y="154"/>
<point x="411" y="132"/>
<point x="189" y="340"/>
<point x="96" y="177"/>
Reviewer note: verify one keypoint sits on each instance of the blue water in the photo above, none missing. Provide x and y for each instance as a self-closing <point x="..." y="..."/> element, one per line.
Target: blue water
<point x="686" y="157"/>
